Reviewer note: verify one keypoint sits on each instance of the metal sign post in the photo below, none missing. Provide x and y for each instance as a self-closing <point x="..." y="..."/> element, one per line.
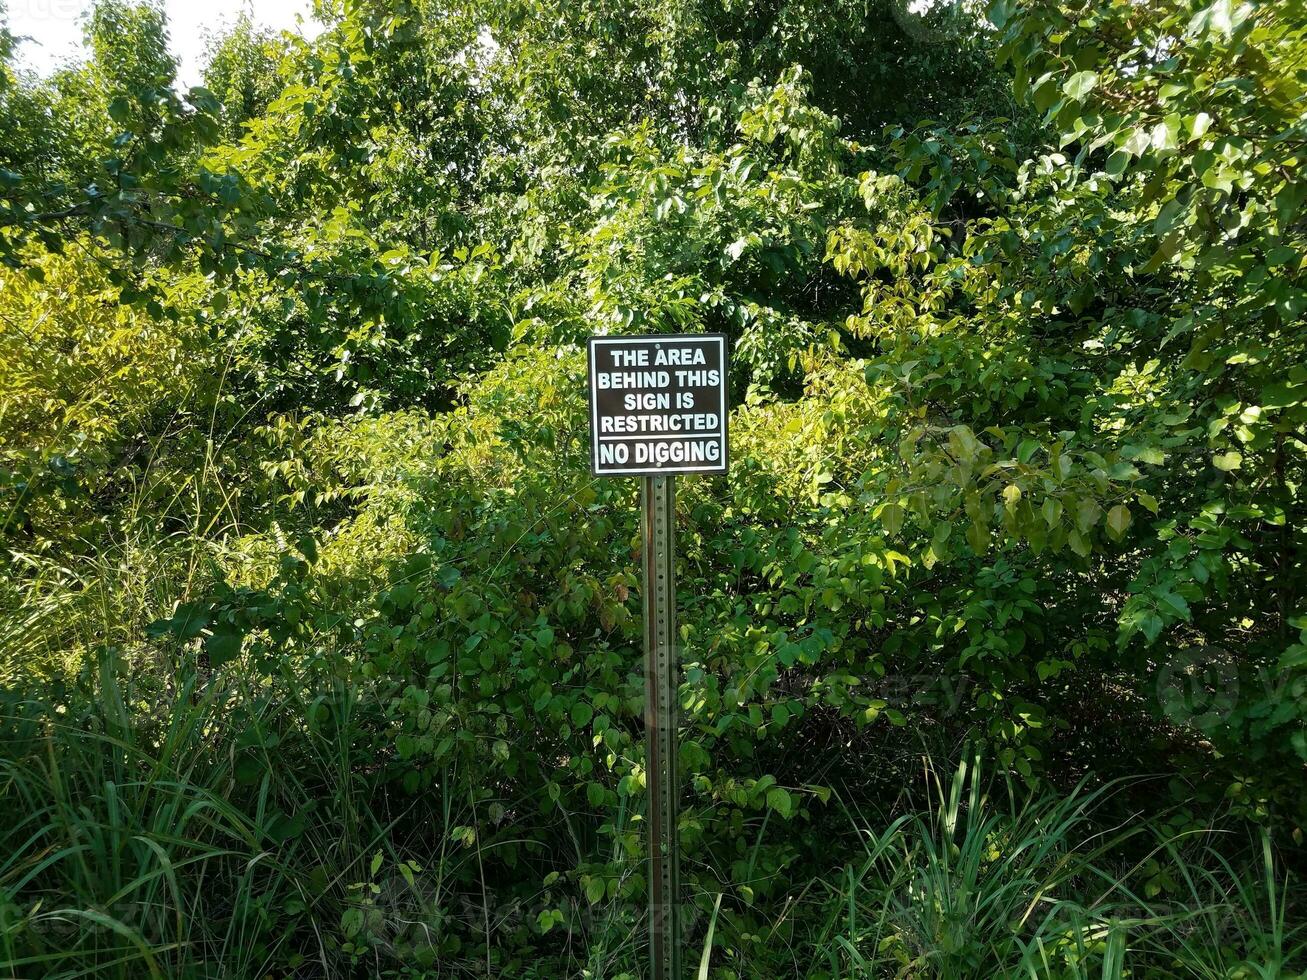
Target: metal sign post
<point x="661" y="749"/>
<point x="658" y="407"/>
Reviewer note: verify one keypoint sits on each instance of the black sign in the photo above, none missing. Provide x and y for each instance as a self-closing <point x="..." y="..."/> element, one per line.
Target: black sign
<point x="657" y="405"/>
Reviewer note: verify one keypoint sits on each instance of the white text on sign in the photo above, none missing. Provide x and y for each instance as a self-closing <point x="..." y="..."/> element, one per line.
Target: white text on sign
<point x="658" y="405"/>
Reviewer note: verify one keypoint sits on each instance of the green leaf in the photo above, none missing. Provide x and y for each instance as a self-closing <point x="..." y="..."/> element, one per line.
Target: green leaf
<point x="1166" y="134"/>
<point x="120" y="109"/>
<point x="1229" y="461"/>
<point x="1087" y="513"/>
<point x="1144" y="454"/>
<point x="1175" y="603"/>
<point x="581" y="714"/>
<point x="351" y="922"/>
<point x="1118" y="520"/>
<point x="224" y="644"/>
<point x="282" y="827"/>
<point x="249" y="769"/>
<point x="1199" y="124"/>
<point x="779" y="799"/>
<point x="891" y="518"/>
<point x="1052" y="511"/>
<point x="1080" y="84"/>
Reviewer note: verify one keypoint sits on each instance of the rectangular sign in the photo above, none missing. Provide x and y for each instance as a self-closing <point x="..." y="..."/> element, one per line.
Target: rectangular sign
<point x="657" y="405"/>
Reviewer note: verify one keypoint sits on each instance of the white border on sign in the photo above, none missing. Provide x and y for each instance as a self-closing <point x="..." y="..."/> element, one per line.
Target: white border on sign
<point x="594" y="405"/>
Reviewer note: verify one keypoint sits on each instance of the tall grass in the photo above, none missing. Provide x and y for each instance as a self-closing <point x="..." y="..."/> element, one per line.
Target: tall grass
<point x="187" y="824"/>
<point x="121" y="827"/>
<point x="193" y="829"/>
<point x="1226" y="919"/>
<point x="990" y="881"/>
<point x="179" y="824"/>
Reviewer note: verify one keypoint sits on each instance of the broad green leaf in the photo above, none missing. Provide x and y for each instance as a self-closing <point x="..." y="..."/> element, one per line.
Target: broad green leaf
<point x="1052" y="510"/>
<point x="1118" y="520"/>
<point x="120" y="109"/>
<point x="1080" y="84"/>
<point x="779" y="799"/>
<point x="891" y="519"/>
<point x="224" y="644"/>
<point x="581" y="714"/>
<point x="1228" y="461"/>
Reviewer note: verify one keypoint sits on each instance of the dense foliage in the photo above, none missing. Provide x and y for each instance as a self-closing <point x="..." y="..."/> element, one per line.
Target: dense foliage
<point x="320" y="647"/>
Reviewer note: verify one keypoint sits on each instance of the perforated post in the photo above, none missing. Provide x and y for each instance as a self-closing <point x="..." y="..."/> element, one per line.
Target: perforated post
<point x="661" y="678"/>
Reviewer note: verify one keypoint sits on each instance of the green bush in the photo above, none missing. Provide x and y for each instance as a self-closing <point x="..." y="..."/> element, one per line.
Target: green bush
<point x="320" y="647"/>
